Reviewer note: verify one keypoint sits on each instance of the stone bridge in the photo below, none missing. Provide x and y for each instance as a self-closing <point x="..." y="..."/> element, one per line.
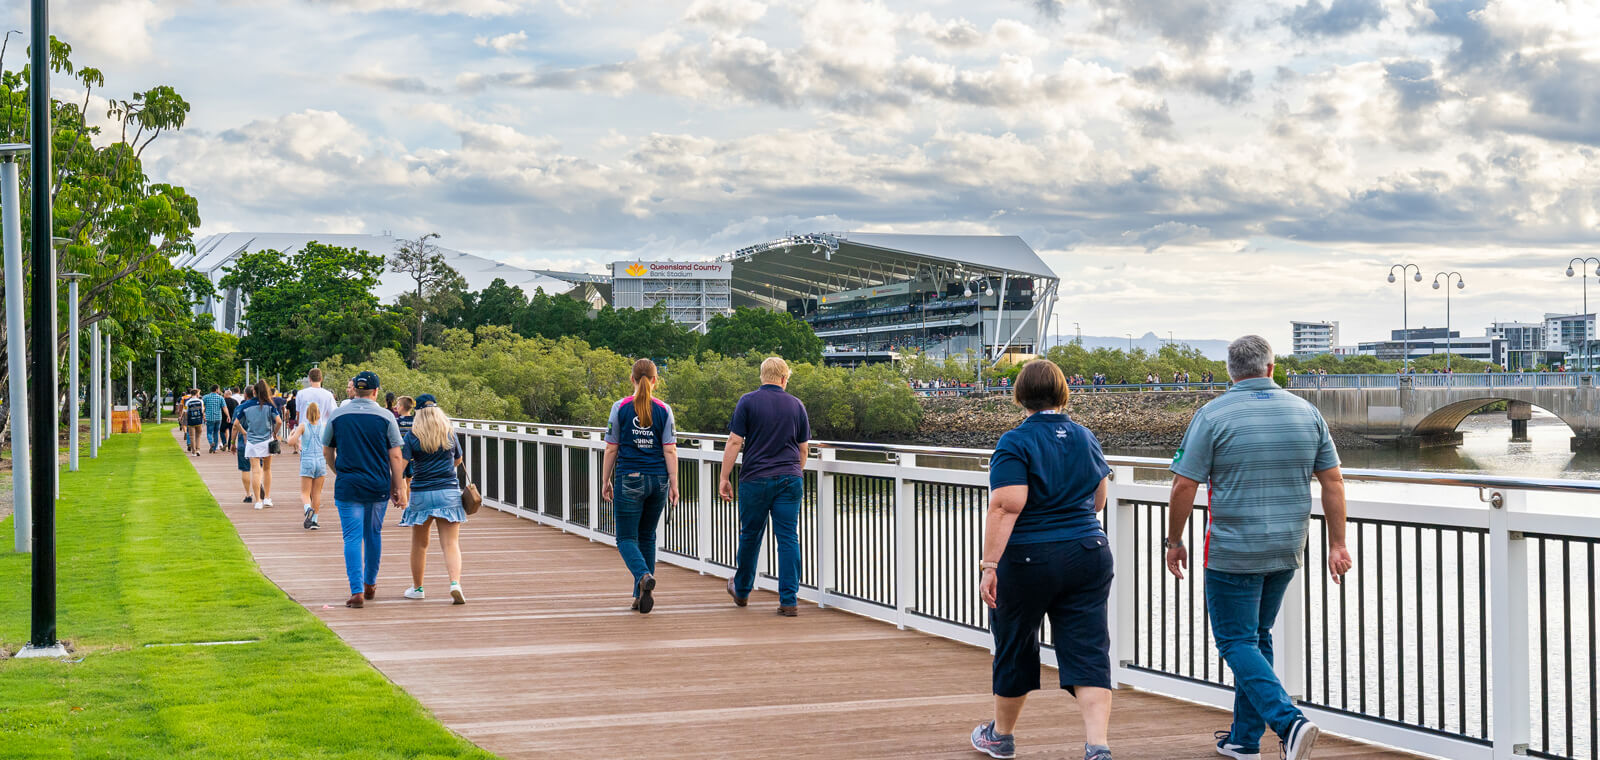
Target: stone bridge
<point x="1424" y="410"/>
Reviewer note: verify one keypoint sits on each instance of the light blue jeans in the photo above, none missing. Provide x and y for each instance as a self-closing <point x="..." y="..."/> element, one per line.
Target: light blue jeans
<point x="1243" y="609"/>
<point x="361" y="524"/>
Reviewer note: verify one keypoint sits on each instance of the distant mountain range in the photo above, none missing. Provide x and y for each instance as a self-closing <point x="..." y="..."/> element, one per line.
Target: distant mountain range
<point x="1216" y="350"/>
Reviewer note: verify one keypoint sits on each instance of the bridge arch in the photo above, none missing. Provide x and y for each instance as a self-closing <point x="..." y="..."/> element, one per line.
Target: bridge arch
<point x="1444" y="420"/>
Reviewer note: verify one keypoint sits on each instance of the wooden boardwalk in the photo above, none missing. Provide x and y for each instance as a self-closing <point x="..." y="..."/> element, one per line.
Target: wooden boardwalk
<point x="546" y="660"/>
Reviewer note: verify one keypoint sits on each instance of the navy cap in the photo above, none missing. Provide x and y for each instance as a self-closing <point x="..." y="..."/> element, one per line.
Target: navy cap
<point x="366" y="381"/>
<point x="426" y="400"/>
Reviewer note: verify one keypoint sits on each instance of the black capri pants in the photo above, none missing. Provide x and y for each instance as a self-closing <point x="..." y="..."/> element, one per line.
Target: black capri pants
<point x="1068" y="581"/>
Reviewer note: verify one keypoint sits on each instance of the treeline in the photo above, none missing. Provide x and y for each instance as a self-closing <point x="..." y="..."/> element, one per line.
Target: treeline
<point x="495" y="373"/>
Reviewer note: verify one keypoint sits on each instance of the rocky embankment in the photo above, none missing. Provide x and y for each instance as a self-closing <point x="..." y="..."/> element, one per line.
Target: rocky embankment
<point x="1155" y="420"/>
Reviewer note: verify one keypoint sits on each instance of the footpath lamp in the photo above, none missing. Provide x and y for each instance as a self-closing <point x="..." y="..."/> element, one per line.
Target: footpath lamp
<point x="1585" y="262"/>
<point x="159" y="402"/>
<point x="1405" y="313"/>
<point x="1460" y="285"/>
<point x="72" y="279"/>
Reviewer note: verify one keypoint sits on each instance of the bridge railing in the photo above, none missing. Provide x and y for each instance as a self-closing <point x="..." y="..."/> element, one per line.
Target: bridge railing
<point x="1466" y="629"/>
<point x="1461" y="380"/>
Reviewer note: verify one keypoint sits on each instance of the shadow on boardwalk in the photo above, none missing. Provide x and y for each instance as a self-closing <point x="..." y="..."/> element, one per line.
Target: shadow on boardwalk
<point x="546" y="660"/>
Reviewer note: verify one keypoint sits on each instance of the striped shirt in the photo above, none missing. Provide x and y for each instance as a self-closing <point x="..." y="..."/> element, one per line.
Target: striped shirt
<point x="1258" y="447"/>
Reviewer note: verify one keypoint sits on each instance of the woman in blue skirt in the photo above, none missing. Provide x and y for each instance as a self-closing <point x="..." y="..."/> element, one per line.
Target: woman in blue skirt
<point x="435" y="496"/>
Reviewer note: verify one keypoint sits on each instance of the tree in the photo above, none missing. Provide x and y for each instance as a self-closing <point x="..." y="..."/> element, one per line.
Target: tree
<point x="314" y="304"/>
<point x="754" y="332"/>
<point x="424" y="263"/>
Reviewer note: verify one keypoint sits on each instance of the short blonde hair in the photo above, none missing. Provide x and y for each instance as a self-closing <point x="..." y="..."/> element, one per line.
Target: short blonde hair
<point x="432" y="429"/>
<point x="774" y="370"/>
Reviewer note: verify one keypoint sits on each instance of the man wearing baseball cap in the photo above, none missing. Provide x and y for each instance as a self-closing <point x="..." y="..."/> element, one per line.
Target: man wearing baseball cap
<point x="362" y="446"/>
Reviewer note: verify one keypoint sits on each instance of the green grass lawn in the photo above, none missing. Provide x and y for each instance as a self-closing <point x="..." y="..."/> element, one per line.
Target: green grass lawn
<point x="147" y="557"/>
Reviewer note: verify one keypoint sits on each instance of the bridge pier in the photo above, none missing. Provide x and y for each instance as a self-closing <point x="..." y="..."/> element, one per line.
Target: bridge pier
<point x="1586" y="442"/>
<point x="1519" y="412"/>
<point x="1430" y="441"/>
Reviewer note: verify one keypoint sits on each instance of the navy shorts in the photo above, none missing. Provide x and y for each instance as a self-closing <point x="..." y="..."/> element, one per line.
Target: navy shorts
<point x="244" y="464"/>
<point x="1070" y="583"/>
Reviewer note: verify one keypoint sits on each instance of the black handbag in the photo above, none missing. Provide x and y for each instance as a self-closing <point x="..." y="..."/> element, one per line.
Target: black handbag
<point x="273" y="447"/>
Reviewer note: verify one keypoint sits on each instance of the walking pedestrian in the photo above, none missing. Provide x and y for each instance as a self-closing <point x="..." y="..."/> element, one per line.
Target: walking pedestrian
<point x="239" y="448"/>
<point x="231" y="403"/>
<point x="259" y="426"/>
<point x="1258" y="446"/>
<point x="314" y="393"/>
<point x="215" y="409"/>
<point x="640" y="477"/>
<point x="313" y="467"/>
<point x="194" y="419"/>
<point x="430" y="448"/>
<point x="403" y="407"/>
<point x="291" y="419"/>
<point x="1045" y="555"/>
<point x="772" y="429"/>
<point x="362" y="447"/>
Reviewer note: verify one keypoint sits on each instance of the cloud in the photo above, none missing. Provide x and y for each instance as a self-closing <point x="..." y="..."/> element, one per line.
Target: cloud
<point x="504" y="43"/>
<point x="478" y="8"/>
<point x="381" y="79"/>
<point x="728" y="15"/>
<point x="118" y="30"/>
<point x="1337" y="19"/>
<point x="1164" y="234"/>
<point x="1220" y="83"/>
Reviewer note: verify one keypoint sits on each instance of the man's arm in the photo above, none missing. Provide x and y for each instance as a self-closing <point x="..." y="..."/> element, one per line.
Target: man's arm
<point x="1333" y="515"/>
<point x="730" y="454"/>
<point x="1181" y="503"/>
<point x="328" y="455"/>
<point x="397" y="476"/>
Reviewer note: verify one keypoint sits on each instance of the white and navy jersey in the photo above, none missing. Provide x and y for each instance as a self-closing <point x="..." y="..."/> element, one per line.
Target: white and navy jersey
<point x="640" y="448"/>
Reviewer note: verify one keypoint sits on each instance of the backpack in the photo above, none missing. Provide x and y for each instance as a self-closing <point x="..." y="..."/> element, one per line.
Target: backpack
<point x="194" y="412"/>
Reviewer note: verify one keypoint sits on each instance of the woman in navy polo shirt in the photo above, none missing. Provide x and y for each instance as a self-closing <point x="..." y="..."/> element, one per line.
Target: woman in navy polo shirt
<point x="641" y="473"/>
<point x="1045" y="554"/>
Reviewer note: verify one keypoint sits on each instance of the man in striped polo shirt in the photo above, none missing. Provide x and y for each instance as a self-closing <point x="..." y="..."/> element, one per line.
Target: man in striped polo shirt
<point x="1258" y="448"/>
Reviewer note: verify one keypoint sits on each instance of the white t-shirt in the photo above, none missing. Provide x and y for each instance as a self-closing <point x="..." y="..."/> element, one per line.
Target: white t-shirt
<point x="322" y="397"/>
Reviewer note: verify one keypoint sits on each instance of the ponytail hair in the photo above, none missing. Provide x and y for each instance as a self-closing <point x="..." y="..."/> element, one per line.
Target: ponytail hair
<point x="642" y="392"/>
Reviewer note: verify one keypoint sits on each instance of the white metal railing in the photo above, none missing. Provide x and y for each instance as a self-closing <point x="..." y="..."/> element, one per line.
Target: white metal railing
<point x="1461" y="582"/>
<point x="1447" y="380"/>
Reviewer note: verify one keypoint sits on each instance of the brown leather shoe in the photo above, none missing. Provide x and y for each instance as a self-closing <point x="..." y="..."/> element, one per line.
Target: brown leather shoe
<point x="788" y="611"/>
<point x="355" y="601"/>
<point x="369" y="591"/>
<point x="739" y="600"/>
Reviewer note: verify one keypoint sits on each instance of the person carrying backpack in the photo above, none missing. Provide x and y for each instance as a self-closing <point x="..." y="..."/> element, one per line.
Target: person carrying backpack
<point x="194" y="419"/>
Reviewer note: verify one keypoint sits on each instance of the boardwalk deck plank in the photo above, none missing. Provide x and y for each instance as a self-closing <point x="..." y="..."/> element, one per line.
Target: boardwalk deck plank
<point x="546" y="660"/>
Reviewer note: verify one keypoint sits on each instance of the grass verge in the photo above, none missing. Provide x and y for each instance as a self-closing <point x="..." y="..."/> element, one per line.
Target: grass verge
<point x="147" y="557"/>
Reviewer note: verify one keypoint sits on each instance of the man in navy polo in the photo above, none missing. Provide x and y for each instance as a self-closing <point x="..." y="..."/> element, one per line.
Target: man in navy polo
<point x="362" y="446"/>
<point x="772" y="429"/>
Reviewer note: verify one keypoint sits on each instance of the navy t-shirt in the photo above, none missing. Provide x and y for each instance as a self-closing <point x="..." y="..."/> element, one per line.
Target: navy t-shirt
<point x="430" y="470"/>
<point x="1061" y="464"/>
<point x="773" y="425"/>
<point x="641" y="448"/>
<point x="361" y="433"/>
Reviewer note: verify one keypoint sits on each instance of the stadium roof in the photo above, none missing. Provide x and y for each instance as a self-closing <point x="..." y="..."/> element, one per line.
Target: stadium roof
<point x="805" y="266"/>
<point x="214" y="253"/>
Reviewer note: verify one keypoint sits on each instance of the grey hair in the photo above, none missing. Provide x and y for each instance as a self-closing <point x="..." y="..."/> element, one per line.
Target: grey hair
<point x="1249" y="357"/>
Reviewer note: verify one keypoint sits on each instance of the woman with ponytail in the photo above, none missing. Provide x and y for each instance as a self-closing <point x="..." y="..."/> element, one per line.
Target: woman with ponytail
<point x="640" y="477"/>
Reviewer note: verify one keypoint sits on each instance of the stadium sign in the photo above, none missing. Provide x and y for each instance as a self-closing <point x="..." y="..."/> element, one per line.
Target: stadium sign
<point x="892" y="289"/>
<point x="671" y="270"/>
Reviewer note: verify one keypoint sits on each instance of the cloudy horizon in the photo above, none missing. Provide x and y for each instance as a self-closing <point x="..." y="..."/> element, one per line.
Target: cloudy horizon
<point x="1204" y="167"/>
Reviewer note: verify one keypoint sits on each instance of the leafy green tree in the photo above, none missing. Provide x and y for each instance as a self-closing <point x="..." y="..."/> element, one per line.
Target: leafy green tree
<point x="503" y="304"/>
<point x="882" y="401"/>
<point x="553" y="316"/>
<point x="437" y="284"/>
<point x="704" y="390"/>
<point x="642" y="333"/>
<point x="760" y="332"/>
<point x="316" y="303"/>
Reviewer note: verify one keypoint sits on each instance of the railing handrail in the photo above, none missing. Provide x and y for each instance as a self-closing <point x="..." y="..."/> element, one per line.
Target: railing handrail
<point x="1410" y="477"/>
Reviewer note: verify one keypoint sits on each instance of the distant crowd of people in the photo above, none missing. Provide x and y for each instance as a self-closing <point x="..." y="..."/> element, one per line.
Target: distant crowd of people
<point x="1045" y="554"/>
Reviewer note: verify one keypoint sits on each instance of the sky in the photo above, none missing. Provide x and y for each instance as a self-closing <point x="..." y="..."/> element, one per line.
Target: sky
<point x="1205" y="167"/>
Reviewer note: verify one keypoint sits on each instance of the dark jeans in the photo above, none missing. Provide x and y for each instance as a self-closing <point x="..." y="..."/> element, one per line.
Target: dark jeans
<point x="637" y="503"/>
<point x="1068" y="582"/>
<point x="780" y="498"/>
<point x="1243" y="609"/>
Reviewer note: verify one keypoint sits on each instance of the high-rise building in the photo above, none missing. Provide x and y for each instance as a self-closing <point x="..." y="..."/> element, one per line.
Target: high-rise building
<point x="1523" y="345"/>
<point x="1573" y="334"/>
<point x="1312" y="338"/>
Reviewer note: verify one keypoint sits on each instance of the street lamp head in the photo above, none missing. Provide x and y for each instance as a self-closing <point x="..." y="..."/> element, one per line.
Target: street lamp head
<point x="1419" y="275"/>
<point x="1461" y="284"/>
<point x="1570" y="272"/>
<point x="1391" y="277"/>
<point x="1435" y="284"/>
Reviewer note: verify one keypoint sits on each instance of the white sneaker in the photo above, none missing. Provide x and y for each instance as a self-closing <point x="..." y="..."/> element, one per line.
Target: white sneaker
<point x="266" y="502"/>
<point x="1301" y="738"/>
<point x="457" y="594"/>
<point x="414" y="593"/>
<point x="258" y="505"/>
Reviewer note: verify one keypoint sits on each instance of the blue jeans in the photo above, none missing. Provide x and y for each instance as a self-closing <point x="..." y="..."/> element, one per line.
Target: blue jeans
<point x="213" y="432"/>
<point x="780" y="498"/>
<point x="361" y="523"/>
<point x="639" y="500"/>
<point x="1243" y="609"/>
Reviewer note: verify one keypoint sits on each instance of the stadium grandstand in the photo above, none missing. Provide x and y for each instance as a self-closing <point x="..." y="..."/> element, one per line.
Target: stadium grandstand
<point x="872" y="297"/>
<point x="214" y="254"/>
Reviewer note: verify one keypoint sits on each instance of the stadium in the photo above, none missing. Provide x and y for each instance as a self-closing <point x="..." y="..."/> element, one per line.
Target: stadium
<point x="871" y="297"/>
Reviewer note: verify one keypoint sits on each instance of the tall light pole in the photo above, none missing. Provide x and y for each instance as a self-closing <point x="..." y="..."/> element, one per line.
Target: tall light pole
<point x="1461" y="284"/>
<point x="1057" y="319"/>
<point x="72" y="279"/>
<point x="44" y="426"/>
<point x="1077" y="329"/>
<point x="1405" y="311"/>
<point x="160" y="402"/>
<point x="16" y="342"/>
<point x="247" y="373"/>
<point x="1585" y="271"/>
<point x="93" y="392"/>
<point x="110" y="405"/>
<point x="1130" y="344"/>
<point x="130" y="416"/>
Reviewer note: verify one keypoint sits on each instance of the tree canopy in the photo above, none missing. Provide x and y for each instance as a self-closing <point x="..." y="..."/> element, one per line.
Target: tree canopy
<point x="753" y="332"/>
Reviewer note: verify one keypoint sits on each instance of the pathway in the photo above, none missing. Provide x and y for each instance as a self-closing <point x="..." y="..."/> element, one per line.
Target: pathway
<point x="546" y="660"/>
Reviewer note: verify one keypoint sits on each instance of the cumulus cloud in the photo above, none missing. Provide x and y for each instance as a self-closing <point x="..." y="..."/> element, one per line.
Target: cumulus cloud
<point x="1338" y="18"/>
<point x="1218" y="82"/>
<point x="381" y="79"/>
<point x="435" y="7"/>
<point x="1166" y="233"/>
<point x="725" y="14"/>
<point x="503" y="43"/>
<point x="110" y="29"/>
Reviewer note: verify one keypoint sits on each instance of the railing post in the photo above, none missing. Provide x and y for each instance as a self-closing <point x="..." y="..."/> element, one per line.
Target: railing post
<point x="597" y="462"/>
<point x="1508" y="627"/>
<point x="703" y="527"/>
<point x="538" y="466"/>
<point x="522" y="490"/>
<point x="825" y="513"/>
<point x="1288" y="636"/>
<point x="1119" y="524"/>
<point x="566" y="479"/>
<point x="905" y="543"/>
